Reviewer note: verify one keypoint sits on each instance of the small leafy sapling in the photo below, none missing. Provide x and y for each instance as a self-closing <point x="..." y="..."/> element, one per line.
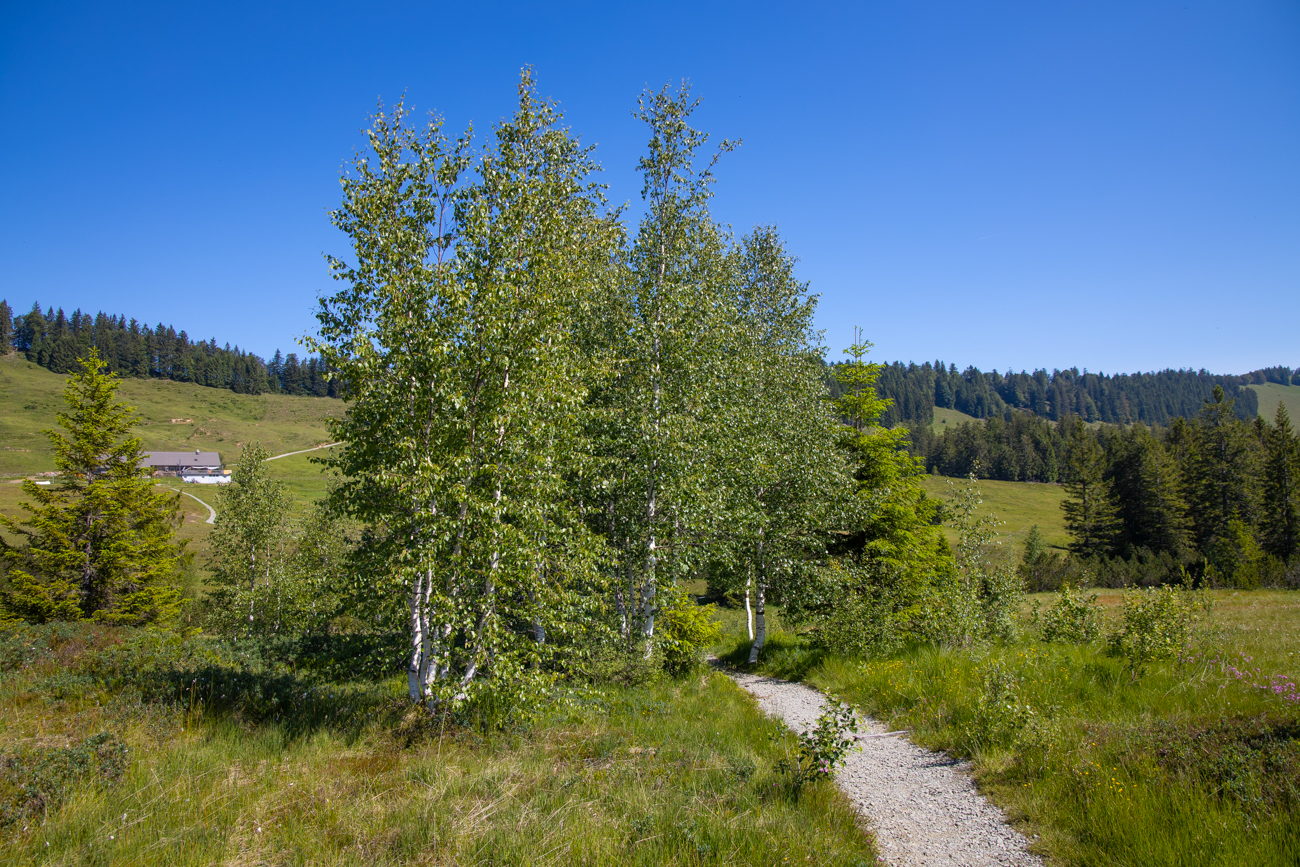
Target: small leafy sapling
<point x="824" y="747"/>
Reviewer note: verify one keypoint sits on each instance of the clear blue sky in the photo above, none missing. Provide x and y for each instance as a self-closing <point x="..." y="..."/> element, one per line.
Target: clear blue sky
<point x="1105" y="185"/>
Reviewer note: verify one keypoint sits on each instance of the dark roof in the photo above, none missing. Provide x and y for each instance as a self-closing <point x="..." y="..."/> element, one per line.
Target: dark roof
<point x="181" y="459"/>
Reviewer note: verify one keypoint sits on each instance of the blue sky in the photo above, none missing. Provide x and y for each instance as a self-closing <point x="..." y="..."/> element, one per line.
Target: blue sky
<point x="1113" y="186"/>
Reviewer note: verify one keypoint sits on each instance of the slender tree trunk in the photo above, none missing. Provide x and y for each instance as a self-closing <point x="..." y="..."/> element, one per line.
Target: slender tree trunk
<point x="749" y="609"/>
<point x="760" y="633"/>
<point x="648" y="587"/>
<point x="414" y="669"/>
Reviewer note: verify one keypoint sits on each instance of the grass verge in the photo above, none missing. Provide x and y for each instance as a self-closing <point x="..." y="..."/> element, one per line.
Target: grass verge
<point x="208" y="760"/>
<point x="1195" y="762"/>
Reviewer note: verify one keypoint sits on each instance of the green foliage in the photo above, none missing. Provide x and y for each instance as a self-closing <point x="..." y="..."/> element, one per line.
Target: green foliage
<point x="6" y="327"/>
<point x="98" y="543"/>
<point x="251" y="590"/>
<point x="982" y="597"/>
<point x="687" y="630"/>
<point x="268" y="577"/>
<point x="55" y="341"/>
<point x="456" y="336"/>
<point x="34" y="781"/>
<point x="824" y="747"/>
<point x="1074" y="619"/>
<point x="889" y="562"/>
<point x="1221" y="469"/>
<point x="1000" y="713"/>
<point x="1157" y="624"/>
<point x="1281" y="488"/>
<point x="1035" y="546"/>
<point x="1152" y="398"/>
<point x="1089" y="509"/>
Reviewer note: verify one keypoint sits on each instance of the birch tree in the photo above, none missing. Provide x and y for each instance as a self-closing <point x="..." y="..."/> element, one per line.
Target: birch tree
<point x="454" y="338"/>
<point x="673" y="313"/>
<point x="778" y="436"/>
<point x="252" y="592"/>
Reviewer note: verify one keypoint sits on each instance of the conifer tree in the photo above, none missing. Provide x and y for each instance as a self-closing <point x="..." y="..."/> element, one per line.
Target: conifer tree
<point x="99" y="543"/>
<point x="1222" y="473"/>
<point x="1147" y="490"/>
<point x="6" y="327"/>
<point x="1281" y="488"/>
<point x="1089" y="511"/>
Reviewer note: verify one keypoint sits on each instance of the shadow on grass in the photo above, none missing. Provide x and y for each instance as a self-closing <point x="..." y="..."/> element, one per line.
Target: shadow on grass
<point x="786" y="656"/>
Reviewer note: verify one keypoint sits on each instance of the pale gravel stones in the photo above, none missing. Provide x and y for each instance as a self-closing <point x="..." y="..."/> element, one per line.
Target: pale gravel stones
<point x="922" y="806"/>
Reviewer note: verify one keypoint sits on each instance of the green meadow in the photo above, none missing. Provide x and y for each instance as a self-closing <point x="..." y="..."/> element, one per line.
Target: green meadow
<point x="1019" y="505"/>
<point x="175" y="416"/>
<point x="1269" y="395"/>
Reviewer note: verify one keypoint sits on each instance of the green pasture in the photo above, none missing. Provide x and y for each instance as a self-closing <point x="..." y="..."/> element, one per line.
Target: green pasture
<point x="1019" y="505"/>
<point x="945" y="418"/>
<point x="175" y="417"/>
<point x="1269" y="395"/>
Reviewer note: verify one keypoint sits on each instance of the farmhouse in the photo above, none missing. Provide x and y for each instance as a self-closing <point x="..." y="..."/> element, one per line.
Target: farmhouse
<point x="199" y="467"/>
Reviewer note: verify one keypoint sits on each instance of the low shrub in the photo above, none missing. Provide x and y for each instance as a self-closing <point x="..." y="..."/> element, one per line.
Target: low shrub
<point x="999" y="714"/>
<point x="1251" y="762"/>
<point x="1074" y="619"/>
<point x="34" y="780"/>
<point x="687" y="630"/>
<point x="824" y="747"/>
<point x="1157" y="624"/>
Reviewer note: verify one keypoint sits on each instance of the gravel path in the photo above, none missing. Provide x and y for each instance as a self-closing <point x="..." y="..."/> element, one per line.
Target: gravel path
<point x="922" y="806"/>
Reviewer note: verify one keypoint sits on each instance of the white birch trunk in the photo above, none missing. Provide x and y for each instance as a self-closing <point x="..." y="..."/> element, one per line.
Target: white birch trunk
<point x="760" y="637"/>
<point x="749" y="610"/>
<point x="760" y="633"/>
<point x="414" y="683"/>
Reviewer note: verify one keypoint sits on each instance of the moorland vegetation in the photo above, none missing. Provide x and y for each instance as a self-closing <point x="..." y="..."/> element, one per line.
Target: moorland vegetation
<point x="560" y="436"/>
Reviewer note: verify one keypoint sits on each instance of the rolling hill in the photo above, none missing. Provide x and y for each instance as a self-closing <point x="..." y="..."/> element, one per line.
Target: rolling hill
<point x="175" y="416"/>
<point x="1269" y="395"/>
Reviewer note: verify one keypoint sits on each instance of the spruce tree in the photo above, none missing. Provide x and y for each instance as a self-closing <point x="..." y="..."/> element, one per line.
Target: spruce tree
<point x="1222" y="473"/>
<point x="1281" y="489"/>
<point x="6" y="327"/>
<point x="1147" y="489"/>
<point x="1089" y="512"/>
<point x="99" y="544"/>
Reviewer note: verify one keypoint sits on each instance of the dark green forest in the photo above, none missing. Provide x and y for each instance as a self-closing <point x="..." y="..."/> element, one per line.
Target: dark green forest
<point x="1149" y="398"/>
<point x="55" y="341"/>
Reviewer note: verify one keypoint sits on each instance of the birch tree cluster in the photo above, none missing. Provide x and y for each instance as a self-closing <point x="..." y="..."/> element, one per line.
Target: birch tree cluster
<point x="555" y="417"/>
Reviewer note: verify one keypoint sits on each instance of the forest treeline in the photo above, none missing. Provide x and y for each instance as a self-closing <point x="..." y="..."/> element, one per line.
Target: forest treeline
<point x="1213" y="489"/>
<point x="54" y="340"/>
<point x="1149" y="398"/>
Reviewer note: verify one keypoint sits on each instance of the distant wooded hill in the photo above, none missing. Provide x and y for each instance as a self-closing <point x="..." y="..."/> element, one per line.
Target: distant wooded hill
<point x="55" y="340"/>
<point x="1150" y="398"/>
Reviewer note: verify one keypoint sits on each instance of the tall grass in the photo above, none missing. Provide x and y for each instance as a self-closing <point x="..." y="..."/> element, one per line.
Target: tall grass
<point x="1195" y="761"/>
<point x="673" y="772"/>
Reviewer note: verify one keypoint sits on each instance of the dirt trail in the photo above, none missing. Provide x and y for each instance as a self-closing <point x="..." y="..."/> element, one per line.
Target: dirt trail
<point x="922" y="806"/>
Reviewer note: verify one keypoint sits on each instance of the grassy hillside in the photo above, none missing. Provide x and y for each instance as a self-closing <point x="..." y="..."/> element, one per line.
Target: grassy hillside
<point x="1019" y="504"/>
<point x="206" y="418"/>
<point x="949" y="418"/>
<point x="304" y="479"/>
<point x="1271" y="393"/>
